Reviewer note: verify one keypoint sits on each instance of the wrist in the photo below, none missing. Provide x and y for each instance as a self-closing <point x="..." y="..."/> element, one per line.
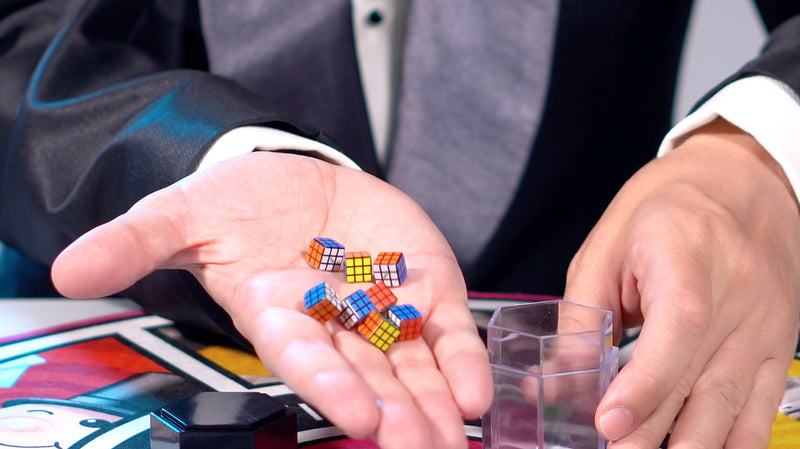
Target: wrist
<point x="725" y="143"/>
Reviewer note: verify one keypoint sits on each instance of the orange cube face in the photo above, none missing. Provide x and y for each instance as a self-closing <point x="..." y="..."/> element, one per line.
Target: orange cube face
<point x="322" y="303"/>
<point x="381" y="296"/>
<point x="358" y="266"/>
<point x="324" y="311"/>
<point x="379" y="331"/>
<point x="406" y="318"/>
<point x="325" y="254"/>
<point x="390" y="268"/>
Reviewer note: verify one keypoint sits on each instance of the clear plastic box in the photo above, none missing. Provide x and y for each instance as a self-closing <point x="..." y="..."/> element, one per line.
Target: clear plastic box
<point x="552" y="361"/>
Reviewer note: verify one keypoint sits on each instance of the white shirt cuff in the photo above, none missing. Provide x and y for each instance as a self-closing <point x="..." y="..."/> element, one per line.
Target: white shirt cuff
<point x="245" y="139"/>
<point x="763" y="107"/>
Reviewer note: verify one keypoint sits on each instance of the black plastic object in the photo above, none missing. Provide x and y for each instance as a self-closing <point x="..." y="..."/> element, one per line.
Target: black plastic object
<point x="213" y="420"/>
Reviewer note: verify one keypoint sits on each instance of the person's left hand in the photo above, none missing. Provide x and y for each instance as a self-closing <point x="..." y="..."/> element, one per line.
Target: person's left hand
<point x="702" y="246"/>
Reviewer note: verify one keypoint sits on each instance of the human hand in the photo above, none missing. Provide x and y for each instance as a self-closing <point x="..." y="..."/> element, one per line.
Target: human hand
<point x="703" y="247"/>
<point x="242" y="228"/>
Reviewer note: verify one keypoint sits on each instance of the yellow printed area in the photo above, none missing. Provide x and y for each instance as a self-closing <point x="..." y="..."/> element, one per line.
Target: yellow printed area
<point x="785" y="433"/>
<point x="785" y="430"/>
<point x="236" y="361"/>
<point x="383" y="345"/>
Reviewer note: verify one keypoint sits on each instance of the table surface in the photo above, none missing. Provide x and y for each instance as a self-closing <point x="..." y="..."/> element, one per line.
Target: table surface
<point x="31" y="316"/>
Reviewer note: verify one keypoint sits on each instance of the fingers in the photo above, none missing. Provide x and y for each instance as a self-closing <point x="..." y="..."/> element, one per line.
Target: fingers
<point x="732" y="403"/>
<point x="753" y="427"/>
<point x="675" y="298"/>
<point x="446" y="372"/>
<point x="119" y="252"/>
<point x="416" y="370"/>
<point x="660" y="360"/>
<point x="301" y="352"/>
<point x="355" y="385"/>
<point x="660" y="365"/>
<point x="449" y="332"/>
<point x="720" y="392"/>
<point x="651" y="432"/>
<point x="461" y="357"/>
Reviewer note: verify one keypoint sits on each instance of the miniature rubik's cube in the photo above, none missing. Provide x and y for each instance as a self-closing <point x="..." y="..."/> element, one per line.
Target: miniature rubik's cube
<point x="373" y="312"/>
<point x="322" y="303"/>
<point x="381" y="296"/>
<point x="390" y="267"/>
<point x="379" y="331"/>
<point x="325" y="254"/>
<point x="355" y="308"/>
<point x="358" y="266"/>
<point x="406" y="318"/>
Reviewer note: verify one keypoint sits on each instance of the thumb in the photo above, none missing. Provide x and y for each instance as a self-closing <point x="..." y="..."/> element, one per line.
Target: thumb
<point x="115" y="255"/>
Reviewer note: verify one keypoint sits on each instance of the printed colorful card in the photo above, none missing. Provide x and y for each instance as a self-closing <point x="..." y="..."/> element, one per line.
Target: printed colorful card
<point x="93" y="384"/>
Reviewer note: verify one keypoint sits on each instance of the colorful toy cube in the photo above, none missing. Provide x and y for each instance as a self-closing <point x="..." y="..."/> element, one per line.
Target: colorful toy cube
<point x="322" y="303"/>
<point x="355" y="308"/>
<point x="325" y="254"/>
<point x="406" y="318"/>
<point x="390" y="268"/>
<point x="382" y="296"/>
<point x="379" y="331"/>
<point x="358" y="266"/>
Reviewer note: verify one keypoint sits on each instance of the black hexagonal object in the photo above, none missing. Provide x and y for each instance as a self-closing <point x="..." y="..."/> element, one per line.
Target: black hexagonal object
<point x="213" y="420"/>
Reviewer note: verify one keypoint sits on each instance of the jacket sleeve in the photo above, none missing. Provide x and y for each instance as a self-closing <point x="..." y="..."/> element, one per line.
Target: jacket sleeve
<point x="101" y="103"/>
<point x="780" y="57"/>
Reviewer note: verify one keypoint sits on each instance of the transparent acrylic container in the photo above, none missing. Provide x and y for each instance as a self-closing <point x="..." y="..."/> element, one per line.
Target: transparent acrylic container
<point x="552" y="361"/>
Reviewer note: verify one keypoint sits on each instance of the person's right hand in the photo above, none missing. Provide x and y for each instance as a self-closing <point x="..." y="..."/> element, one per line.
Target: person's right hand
<point x="242" y="228"/>
<point x="702" y="248"/>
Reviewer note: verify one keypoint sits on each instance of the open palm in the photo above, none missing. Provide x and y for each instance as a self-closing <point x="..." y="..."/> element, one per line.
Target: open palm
<point x="242" y="228"/>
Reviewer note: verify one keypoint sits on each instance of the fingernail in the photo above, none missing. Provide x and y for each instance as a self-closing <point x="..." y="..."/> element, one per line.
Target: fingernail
<point x="616" y="423"/>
